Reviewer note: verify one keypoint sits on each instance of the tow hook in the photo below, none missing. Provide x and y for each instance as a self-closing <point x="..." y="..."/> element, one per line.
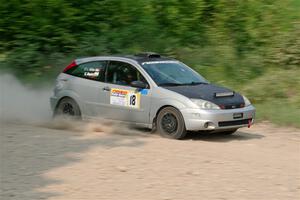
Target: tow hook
<point x="249" y="123"/>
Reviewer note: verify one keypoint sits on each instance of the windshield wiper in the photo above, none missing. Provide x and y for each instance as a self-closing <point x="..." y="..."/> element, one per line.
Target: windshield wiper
<point x="170" y="84"/>
<point x="195" y="83"/>
<point x="178" y="84"/>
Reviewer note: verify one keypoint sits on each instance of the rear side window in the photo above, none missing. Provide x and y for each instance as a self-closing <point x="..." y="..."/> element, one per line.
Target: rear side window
<point x="121" y="73"/>
<point x="91" y="70"/>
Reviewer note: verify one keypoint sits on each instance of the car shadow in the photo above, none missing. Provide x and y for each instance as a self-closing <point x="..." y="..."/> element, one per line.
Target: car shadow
<point x="212" y="137"/>
<point x="220" y="137"/>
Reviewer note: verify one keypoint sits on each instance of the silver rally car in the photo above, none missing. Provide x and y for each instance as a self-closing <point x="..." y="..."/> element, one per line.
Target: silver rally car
<point x="151" y="91"/>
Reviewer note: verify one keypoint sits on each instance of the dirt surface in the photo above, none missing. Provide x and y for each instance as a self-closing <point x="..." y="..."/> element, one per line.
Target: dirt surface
<point x="42" y="162"/>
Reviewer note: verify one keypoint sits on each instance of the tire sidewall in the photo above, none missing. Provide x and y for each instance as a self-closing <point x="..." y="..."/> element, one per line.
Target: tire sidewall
<point x="180" y="131"/>
<point x="58" y="111"/>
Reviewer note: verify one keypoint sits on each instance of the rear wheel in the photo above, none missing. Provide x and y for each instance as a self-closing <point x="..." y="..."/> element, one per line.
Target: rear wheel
<point x="170" y="123"/>
<point x="68" y="109"/>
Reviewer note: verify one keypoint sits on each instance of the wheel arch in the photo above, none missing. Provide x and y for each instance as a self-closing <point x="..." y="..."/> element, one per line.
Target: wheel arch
<point x="76" y="100"/>
<point x="162" y="107"/>
<point x="175" y="131"/>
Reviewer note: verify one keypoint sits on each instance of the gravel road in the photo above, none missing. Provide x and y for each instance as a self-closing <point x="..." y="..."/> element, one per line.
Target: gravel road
<point x="95" y="162"/>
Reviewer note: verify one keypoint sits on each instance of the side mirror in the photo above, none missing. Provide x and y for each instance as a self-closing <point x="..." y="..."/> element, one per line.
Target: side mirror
<point x="138" y="84"/>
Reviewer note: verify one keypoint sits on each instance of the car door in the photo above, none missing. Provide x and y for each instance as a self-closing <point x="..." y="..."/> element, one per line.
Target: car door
<point x="88" y="82"/>
<point x="123" y="102"/>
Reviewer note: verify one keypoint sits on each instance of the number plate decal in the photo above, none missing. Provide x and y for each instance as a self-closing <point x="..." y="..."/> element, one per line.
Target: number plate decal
<point x="133" y="99"/>
<point x="125" y="98"/>
<point x="237" y="115"/>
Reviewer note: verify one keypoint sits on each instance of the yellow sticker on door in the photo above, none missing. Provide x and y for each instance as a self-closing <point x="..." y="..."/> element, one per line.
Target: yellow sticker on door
<point x="126" y="98"/>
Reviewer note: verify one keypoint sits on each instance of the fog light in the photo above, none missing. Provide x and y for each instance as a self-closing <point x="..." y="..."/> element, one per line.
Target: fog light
<point x="209" y="125"/>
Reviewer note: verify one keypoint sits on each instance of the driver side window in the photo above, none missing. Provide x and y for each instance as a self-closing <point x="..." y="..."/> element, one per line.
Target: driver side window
<point x="122" y="73"/>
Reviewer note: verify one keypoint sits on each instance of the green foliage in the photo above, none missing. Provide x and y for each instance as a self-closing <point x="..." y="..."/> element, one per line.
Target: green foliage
<point x="276" y="96"/>
<point x="241" y="44"/>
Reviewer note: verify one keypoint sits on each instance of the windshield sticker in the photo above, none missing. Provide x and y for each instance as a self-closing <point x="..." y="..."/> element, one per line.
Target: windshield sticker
<point x="159" y="62"/>
<point x="125" y="98"/>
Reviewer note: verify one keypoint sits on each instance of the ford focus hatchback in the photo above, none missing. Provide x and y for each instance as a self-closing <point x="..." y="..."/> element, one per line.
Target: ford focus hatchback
<point x="151" y="91"/>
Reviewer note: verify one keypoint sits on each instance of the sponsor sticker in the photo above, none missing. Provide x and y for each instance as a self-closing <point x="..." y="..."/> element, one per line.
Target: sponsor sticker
<point x="144" y="91"/>
<point x="91" y="72"/>
<point x="125" y="98"/>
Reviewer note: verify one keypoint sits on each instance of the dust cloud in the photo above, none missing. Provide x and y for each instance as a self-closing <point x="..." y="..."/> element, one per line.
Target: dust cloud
<point x="23" y="105"/>
<point x="93" y="126"/>
<point x="19" y="103"/>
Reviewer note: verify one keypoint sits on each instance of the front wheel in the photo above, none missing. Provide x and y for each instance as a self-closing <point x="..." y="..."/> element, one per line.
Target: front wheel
<point x="170" y="123"/>
<point x="67" y="109"/>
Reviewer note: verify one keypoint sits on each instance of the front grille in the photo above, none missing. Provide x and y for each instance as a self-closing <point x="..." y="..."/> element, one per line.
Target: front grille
<point x="233" y="106"/>
<point x="234" y="123"/>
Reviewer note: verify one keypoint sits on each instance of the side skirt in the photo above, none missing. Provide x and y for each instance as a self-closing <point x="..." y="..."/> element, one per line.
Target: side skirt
<point x="97" y="119"/>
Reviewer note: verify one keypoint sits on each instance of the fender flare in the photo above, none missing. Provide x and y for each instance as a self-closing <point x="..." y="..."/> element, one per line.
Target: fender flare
<point x="162" y="104"/>
<point x="72" y="95"/>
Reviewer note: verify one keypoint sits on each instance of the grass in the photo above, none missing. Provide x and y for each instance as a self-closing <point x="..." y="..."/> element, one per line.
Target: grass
<point x="281" y="113"/>
<point x="276" y="95"/>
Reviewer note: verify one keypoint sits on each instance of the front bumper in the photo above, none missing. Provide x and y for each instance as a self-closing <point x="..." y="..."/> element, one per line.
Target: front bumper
<point x="197" y="119"/>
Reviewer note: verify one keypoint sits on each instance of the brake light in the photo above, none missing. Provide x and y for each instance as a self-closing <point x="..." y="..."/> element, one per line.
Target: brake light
<point x="70" y="66"/>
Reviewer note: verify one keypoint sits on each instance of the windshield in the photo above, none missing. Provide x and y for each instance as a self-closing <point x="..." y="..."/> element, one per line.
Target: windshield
<point x="172" y="73"/>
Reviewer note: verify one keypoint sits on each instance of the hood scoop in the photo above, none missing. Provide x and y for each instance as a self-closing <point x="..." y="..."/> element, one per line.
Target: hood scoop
<point x="224" y="94"/>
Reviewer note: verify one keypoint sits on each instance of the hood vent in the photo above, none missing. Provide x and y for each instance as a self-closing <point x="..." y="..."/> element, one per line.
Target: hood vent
<point x="224" y="94"/>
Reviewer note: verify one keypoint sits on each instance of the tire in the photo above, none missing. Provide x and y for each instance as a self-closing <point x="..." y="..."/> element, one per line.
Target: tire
<point x="230" y="132"/>
<point x="67" y="108"/>
<point x="170" y="123"/>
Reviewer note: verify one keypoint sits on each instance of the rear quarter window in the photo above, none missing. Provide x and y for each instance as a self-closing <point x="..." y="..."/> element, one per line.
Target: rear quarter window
<point x="91" y="70"/>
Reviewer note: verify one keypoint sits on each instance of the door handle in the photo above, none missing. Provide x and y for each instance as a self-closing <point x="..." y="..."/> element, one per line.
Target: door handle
<point x="106" y="88"/>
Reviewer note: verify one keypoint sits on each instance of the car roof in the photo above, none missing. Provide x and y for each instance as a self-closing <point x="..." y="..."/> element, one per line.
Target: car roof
<point x="140" y="58"/>
<point x="148" y="58"/>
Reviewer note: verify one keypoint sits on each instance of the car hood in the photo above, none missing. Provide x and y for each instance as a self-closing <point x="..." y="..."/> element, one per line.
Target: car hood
<point x="209" y="92"/>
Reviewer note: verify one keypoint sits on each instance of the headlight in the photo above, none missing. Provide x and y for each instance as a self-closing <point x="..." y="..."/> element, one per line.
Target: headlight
<point x="247" y="102"/>
<point x="205" y="104"/>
